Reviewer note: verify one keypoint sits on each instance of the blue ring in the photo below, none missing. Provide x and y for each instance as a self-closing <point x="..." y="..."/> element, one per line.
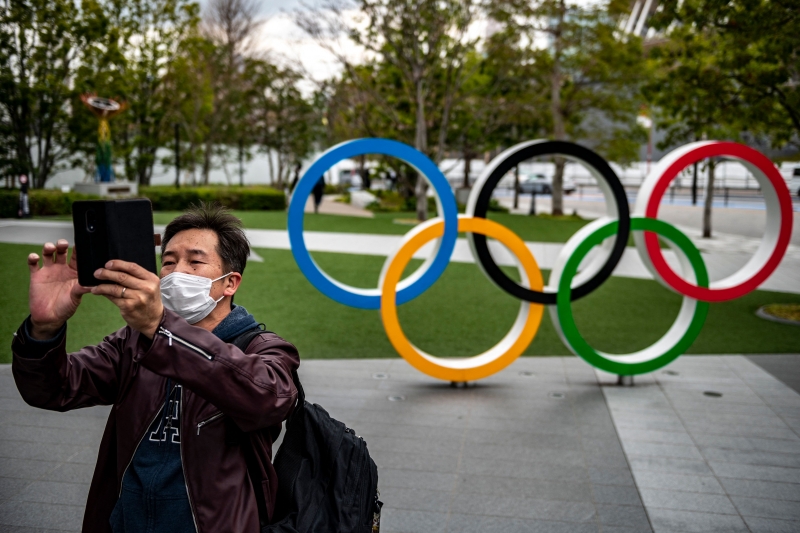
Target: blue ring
<point x="338" y="291"/>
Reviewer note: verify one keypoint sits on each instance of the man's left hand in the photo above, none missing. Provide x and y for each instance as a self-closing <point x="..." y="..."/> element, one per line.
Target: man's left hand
<point x="137" y="293"/>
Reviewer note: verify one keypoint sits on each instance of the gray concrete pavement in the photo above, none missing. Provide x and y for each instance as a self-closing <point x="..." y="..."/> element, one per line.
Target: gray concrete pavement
<point x="713" y="445"/>
<point x="784" y="367"/>
<point x="546" y="445"/>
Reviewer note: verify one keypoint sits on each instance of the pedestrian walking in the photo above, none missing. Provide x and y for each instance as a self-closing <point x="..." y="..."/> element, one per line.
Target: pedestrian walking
<point x="24" y="201"/>
<point x="319" y="190"/>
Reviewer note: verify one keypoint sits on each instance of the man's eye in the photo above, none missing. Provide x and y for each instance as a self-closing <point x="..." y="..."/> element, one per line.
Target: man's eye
<point x="167" y="263"/>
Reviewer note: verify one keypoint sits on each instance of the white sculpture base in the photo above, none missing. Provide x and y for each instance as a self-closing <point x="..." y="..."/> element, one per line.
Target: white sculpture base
<point x="108" y="188"/>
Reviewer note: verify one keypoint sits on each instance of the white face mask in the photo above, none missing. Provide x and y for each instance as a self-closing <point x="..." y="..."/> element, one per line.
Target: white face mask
<point x="189" y="296"/>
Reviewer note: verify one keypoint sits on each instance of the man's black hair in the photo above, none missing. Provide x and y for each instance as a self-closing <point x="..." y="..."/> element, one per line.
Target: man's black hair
<point x="232" y="246"/>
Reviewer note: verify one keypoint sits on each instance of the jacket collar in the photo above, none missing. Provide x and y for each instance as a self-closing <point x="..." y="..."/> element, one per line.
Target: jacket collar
<point x="237" y="322"/>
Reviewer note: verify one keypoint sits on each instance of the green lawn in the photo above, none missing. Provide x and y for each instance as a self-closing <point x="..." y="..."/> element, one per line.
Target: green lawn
<point x="462" y="314"/>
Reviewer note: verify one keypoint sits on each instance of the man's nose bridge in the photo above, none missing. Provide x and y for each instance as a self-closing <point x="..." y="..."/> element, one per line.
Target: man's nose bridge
<point x="183" y="266"/>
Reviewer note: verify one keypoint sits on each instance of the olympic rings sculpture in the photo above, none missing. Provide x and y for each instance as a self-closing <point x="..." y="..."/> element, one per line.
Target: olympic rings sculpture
<point x="610" y="233"/>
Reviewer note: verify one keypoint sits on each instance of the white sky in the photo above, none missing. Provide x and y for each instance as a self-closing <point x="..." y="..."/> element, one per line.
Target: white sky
<point x="286" y="44"/>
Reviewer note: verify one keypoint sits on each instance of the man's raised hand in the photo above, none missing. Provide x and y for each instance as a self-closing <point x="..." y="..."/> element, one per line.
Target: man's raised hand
<point x="137" y="293"/>
<point x="54" y="293"/>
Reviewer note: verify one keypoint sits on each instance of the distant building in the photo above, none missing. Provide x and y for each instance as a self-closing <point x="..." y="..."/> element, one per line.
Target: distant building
<point x="636" y="22"/>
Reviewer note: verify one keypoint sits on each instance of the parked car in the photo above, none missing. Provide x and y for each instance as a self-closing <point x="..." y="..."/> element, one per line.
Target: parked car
<point x="541" y="184"/>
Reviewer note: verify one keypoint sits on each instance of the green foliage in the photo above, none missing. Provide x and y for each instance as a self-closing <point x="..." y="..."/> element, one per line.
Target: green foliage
<point x="394" y="202"/>
<point x="729" y="63"/>
<point x="495" y="207"/>
<point x="53" y="203"/>
<point x="241" y="198"/>
<point x="192" y="92"/>
<point x="129" y="57"/>
<point x="39" y="43"/>
<point x="589" y="78"/>
<point x="407" y="88"/>
<point x="691" y="95"/>
<point x="280" y="118"/>
<point x="43" y="202"/>
<point x="339" y="188"/>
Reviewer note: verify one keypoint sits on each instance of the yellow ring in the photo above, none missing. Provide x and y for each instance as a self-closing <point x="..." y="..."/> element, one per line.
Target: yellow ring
<point x="496" y="358"/>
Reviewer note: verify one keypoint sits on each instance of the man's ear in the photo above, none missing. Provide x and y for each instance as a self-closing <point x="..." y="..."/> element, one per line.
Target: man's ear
<point x="232" y="283"/>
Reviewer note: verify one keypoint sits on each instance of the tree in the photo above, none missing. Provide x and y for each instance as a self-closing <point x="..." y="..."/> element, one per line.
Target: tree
<point x="426" y="42"/>
<point x="9" y="163"/>
<point x="191" y="84"/>
<point x="282" y="121"/>
<point x="40" y="44"/>
<point x="499" y="103"/>
<point x="755" y="46"/>
<point x="368" y="100"/>
<point x="727" y="70"/>
<point x="693" y="98"/>
<point x="230" y="25"/>
<point x="136" y="46"/>
<point x="590" y="71"/>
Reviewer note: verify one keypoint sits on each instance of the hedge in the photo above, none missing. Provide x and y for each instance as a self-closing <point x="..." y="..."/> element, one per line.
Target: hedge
<point x="392" y="202"/>
<point x="42" y="202"/>
<point x="240" y="198"/>
<point x="52" y="202"/>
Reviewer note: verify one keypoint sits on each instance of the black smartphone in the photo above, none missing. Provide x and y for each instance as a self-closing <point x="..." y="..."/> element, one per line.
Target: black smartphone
<point x="112" y="229"/>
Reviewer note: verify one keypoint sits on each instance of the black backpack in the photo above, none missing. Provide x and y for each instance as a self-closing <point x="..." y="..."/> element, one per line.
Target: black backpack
<point x="327" y="482"/>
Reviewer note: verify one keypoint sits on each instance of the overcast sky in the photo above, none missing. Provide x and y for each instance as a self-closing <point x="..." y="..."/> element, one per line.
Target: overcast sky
<point x="288" y="45"/>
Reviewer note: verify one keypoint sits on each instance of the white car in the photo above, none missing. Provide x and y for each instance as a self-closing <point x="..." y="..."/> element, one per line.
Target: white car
<point x="541" y="184"/>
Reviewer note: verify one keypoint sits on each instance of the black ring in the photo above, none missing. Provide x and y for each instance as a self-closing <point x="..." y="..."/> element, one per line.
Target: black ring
<point x="539" y="149"/>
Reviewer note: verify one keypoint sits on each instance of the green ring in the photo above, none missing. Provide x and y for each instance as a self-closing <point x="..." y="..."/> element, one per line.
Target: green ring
<point x="570" y="331"/>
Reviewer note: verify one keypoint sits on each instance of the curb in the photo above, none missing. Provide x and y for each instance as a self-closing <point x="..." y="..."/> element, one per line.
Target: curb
<point x="766" y="316"/>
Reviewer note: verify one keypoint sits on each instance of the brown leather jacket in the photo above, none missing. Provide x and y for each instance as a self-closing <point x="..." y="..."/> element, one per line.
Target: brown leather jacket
<point x="226" y="393"/>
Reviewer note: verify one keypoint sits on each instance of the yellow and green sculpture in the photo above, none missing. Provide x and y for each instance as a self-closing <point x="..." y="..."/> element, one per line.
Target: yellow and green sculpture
<point x="104" y="109"/>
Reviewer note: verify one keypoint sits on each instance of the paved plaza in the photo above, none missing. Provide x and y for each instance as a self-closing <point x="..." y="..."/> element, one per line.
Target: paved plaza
<point x="549" y="444"/>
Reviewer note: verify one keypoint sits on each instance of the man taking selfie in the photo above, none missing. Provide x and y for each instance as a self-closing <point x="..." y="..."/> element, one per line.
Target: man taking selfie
<point x="191" y="411"/>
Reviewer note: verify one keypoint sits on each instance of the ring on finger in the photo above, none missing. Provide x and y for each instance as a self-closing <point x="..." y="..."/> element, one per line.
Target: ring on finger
<point x="122" y="294"/>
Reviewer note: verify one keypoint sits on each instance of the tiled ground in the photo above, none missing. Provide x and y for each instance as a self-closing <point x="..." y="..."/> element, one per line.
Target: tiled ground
<point x="517" y="452"/>
<point x="542" y="446"/>
<point x="707" y="463"/>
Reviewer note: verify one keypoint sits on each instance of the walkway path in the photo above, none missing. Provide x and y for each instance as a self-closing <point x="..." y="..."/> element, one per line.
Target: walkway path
<point x="329" y="206"/>
<point x="721" y="259"/>
<point x="547" y="445"/>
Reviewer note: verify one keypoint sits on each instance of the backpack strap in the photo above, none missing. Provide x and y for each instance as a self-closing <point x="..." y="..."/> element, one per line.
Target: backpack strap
<point x="301" y="395"/>
<point x="244" y="339"/>
<point x="242" y="342"/>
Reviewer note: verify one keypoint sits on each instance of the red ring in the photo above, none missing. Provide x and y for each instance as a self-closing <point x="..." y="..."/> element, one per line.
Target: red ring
<point x="716" y="149"/>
